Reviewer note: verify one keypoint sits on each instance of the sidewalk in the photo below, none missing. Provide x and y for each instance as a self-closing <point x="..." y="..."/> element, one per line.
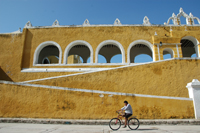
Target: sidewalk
<point x="100" y="122"/>
<point x="63" y="128"/>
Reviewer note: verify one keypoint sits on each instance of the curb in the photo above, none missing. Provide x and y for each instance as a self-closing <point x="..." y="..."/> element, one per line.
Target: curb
<point x="99" y="122"/>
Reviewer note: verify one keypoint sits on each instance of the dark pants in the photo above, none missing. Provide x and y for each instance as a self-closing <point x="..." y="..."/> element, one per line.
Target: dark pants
<point x="127" y="115"/>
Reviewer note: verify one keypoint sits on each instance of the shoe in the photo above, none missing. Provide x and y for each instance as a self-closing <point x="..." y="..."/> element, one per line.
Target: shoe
<point x="124" y="126"/>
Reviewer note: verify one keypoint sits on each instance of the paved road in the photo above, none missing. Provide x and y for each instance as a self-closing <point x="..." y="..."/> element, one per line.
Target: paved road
<point x="54" y="128"/>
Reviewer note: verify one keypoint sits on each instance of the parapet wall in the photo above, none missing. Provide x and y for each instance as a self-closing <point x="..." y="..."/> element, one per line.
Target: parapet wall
<point x="155" y="91"/>
<point x="162" y="78"/>
<point x="17" y="50"/>
<point x="18" y="100"/>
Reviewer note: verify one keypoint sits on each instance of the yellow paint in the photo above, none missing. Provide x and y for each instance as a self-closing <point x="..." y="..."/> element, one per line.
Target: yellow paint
<point x="17" y="50"/>
<point x="167" y="78"/>
<point x="30" y="102"/>
<point x="163" y="78"/>
<point x="72" y="59"/>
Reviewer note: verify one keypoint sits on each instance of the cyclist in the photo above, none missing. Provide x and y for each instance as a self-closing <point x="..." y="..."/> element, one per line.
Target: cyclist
<point x="128" y="112"/>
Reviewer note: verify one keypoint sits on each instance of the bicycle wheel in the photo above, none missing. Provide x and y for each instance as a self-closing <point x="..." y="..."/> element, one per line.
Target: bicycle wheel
<point x="133" y="123"/>
<point x="115" y="124"/>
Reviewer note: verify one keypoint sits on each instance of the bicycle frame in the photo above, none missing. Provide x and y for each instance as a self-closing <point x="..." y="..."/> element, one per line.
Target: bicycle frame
<point x="132" y="122"/>
<point x="120" y="116"/>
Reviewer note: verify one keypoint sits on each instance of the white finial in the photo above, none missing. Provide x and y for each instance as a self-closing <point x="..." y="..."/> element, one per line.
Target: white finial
<point x="155" y="34"/>
<point x="191" y="15"/>
<point x="195" y="80"/>
<point x="28" y="25"/>
<point x="86" y="23"/>
<point x="117" y="22"/>
<point x="55" y="23"/>
<point x="173" y="15"/>
<point x="181" y="10"/>
<point x="146" y="21"/>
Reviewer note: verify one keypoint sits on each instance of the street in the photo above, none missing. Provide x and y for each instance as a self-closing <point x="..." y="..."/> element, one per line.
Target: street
<point x="58" y="128"/>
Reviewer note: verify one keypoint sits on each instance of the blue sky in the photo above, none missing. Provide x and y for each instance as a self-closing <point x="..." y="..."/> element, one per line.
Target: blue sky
<point x="16" y="13"/>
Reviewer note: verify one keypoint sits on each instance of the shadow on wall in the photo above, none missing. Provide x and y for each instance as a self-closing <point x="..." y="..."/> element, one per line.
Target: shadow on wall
<point x="4" y="76"/>
<point x="27" y="49"/>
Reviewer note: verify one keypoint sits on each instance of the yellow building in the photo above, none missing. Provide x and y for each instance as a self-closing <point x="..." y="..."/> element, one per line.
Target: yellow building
<point x="54" y="71"/>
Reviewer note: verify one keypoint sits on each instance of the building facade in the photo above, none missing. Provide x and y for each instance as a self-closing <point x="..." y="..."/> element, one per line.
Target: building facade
<point x="55" y="71"/>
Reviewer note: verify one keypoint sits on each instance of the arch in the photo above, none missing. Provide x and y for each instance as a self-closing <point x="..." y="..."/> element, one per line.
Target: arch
<point x="145" y="58"/>
<point x="41" y="46"/>
<point x="197" y="19"/>
<point x="168" y="50"/>
<point x="191" y="38"/>
<point x="102" y="58"/>
<point x="110" y="42"/>
<point x="114" y="58"/>
<point x="74" y="43"/>
<point x="50" y="60"/>
<point x="46" y="59"/>
<point x="182" y="13"/>
<point x="182" y="20"/>
<point x="194" y="55"/>
<point x="195" y="43"/>
<point x="144" y="42"/>
<point x="88" y="59"/>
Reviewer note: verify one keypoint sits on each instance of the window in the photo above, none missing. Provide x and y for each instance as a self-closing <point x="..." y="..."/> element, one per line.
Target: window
<point x="110" y="49"/>
<point x="48" y="53"/>
<point x="81" y="52"/>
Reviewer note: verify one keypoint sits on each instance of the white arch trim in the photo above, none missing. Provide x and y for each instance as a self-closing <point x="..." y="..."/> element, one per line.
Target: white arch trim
<point x="170" y="51"/>
<point x="144" y="42"/>
<point x="46" y="59"/>
<point x="195" y="42"/>
<point x="74" y="43"/>
<point x="41" y="46"/>
<point x="191" y="38"/>
<point x="113" y="42"/>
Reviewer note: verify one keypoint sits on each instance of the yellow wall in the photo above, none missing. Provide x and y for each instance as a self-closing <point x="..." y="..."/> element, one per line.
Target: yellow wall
<point x="17" y="50"/>
<point x="167" y="78"/>
<point x="95" y="35"/>
<point x="32" y="102"/>
<point x="74" y="60"/>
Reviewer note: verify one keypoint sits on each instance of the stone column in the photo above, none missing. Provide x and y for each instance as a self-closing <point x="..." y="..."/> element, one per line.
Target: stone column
<point x="177" y="50"/>
<point x="194" y="93"/>
<point x="198" y="50"/>
<point x="158" y="47"/>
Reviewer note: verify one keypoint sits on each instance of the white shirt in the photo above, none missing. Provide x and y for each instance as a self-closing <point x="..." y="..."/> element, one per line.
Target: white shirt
<point x="128" y="109"/>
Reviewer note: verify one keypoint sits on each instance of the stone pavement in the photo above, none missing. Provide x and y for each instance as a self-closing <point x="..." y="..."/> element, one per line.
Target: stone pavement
<point x="66" y="128"/>
<point x="99" y="122"/>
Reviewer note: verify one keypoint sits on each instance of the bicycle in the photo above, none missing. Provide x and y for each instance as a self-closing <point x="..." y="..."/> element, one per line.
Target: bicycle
<point x="115" y="123"/>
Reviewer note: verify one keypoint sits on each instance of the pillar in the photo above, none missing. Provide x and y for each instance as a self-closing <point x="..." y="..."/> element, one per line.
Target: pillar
<point x="194" y="93"/>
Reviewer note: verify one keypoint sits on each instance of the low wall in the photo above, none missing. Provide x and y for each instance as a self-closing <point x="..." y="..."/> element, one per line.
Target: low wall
<point x="165" y="78"/>
<point x="33" y="101"/>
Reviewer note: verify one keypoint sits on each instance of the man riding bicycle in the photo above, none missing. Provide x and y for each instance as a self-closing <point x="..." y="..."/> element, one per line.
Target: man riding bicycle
<point x="128" y="112"/>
